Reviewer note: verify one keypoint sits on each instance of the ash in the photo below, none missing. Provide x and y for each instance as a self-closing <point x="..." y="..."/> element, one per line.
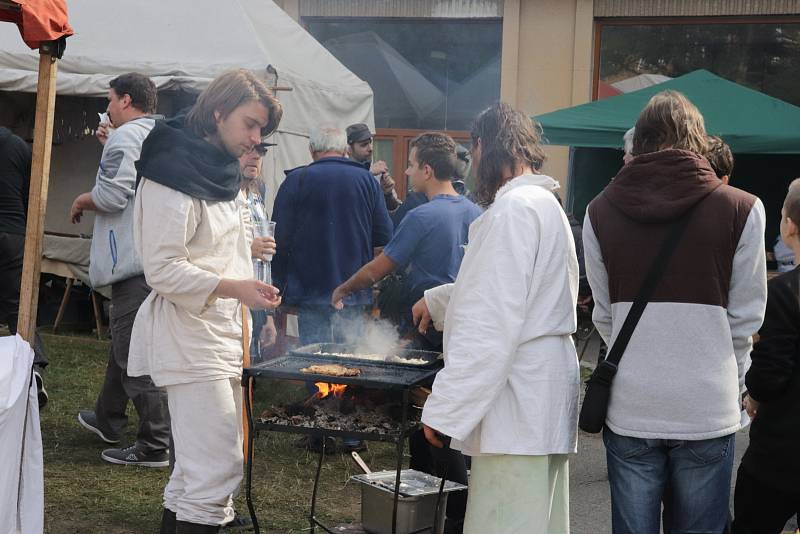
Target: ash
<point x="342" y="414"/>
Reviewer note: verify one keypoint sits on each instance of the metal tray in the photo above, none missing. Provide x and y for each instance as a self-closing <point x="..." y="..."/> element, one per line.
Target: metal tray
<point x="412" y="483"/>
<point x="431" y="360"/>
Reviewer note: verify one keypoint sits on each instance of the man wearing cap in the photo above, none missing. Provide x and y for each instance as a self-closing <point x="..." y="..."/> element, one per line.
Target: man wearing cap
<point x="360" y="144"/>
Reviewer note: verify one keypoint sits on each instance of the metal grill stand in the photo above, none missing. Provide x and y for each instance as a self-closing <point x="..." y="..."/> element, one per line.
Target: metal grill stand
<point x="374" y="376"/>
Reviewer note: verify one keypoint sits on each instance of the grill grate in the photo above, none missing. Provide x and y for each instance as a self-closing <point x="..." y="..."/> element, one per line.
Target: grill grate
<point x="373" y="374"/>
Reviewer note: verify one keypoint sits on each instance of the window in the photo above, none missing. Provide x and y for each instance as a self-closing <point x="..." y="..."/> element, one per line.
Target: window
<point x="433" y="74"/>
<point x="761" y="54"/>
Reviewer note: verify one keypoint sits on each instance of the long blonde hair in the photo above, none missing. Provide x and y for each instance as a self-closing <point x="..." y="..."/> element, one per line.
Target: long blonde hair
<point x="670" y="120"/>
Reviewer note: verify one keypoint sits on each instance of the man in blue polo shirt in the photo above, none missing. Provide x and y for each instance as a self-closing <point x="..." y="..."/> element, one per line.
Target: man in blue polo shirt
<point x="429" y="243"/>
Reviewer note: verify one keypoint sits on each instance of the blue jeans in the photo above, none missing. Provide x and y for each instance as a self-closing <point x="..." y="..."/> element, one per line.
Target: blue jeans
<point x="699" y="473"/>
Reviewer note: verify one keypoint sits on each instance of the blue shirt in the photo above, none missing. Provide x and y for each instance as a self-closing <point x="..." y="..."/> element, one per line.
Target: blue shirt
<point x="328" y="217"/>
<point x="430" y="241"/>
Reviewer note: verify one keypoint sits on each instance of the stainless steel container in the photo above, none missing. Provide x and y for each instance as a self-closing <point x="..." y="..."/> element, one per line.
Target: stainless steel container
<point x="416" y="506"/>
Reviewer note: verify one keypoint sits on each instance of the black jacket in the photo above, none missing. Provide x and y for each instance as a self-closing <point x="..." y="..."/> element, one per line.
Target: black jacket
<point x="15" y="181"/>
<point x="774" y="381"/>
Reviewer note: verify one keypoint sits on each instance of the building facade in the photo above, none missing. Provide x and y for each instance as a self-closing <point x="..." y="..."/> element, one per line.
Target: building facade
<point x="434" y="64"/>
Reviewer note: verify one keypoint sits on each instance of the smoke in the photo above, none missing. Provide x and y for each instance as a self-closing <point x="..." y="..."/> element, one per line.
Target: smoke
<point x="369" y="336"/>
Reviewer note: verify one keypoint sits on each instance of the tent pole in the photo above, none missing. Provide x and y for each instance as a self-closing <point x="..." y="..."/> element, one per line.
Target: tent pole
<point x="37" y="198"/>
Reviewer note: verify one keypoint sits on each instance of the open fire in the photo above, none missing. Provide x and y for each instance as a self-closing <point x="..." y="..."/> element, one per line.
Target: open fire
<point x="324" y="389"/>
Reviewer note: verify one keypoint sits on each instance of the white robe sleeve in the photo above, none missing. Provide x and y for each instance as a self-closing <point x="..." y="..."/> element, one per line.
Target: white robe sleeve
<point x="168" y="222"/>
<point x="437" y="299"/>
<point x="485" y="318"/>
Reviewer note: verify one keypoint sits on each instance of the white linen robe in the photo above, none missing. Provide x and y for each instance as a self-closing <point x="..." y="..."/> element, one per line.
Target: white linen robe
<point x="511" y="377"/>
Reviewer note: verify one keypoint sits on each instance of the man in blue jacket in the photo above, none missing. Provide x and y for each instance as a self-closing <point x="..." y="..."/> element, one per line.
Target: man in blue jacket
<point x="329" y="215"/>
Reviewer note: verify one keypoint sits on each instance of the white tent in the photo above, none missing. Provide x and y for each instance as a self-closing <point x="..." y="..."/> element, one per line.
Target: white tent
<point x="184" y="44"/>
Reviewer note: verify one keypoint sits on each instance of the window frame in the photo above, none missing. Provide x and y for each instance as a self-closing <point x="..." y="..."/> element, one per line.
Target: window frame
<point x="601" y="23"/>
<point x="400" y="139"/>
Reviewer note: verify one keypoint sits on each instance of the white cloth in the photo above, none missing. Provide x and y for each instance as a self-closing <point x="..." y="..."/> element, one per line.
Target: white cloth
<point x="207" y="433"/>
<point x="518" y="495"/>
<point x="21" y="468"/>
<point x="510" y="380"/>
<point x="182" y="333"/>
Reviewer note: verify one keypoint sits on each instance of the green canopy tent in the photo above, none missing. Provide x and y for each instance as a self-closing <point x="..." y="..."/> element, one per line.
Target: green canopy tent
<point x="749" y="121"/>
<point x="763" y="133"/>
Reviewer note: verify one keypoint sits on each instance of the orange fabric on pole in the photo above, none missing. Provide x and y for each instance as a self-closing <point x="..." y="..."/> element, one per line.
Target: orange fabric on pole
<point x="39" y="20"/>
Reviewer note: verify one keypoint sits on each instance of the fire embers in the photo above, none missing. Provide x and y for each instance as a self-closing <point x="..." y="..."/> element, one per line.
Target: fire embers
<point x="339" y="407"/>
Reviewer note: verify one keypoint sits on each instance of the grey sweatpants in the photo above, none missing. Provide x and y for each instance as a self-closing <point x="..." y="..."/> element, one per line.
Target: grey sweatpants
<point x="150" y="401"/>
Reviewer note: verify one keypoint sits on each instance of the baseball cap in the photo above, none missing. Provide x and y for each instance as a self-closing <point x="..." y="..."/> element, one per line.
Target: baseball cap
<point x="358" y="132"/>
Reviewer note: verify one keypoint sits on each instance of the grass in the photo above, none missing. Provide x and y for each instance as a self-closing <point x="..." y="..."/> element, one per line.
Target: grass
<point x="85" y="495"/>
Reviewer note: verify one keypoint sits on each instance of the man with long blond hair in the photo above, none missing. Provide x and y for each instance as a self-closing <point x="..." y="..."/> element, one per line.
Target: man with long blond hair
<point x="508" y="320"/>
<point x="675" y="400"/>
<point x="191" y="227"/>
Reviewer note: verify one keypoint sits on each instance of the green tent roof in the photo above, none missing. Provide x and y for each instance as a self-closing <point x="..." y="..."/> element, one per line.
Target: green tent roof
<point x="749" y="121"/>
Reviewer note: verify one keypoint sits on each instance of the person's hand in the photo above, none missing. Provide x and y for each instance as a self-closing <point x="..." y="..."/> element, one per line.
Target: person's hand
<point x="337" y="299"/>
<point x="432" y="436"/>
<point x="254" y="294"/>
<point x="268" y="334"/>
<point x="387" y="183"/>
<point x="379" y="167"/>
<point x="263" y="247"/>
<point x="76" y="211"/>
<point x="421" y="315"/>
<point x="103" y="129"/>
<point x="751" y="406"/>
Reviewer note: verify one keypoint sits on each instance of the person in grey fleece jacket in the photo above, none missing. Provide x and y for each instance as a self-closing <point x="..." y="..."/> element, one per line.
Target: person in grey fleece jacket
<point x="114" y="261"/>
<point x="676" y="399"/>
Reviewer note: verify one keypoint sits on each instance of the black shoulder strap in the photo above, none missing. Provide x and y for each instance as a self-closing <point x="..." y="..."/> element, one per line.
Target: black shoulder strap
<point x="652" y="279"/>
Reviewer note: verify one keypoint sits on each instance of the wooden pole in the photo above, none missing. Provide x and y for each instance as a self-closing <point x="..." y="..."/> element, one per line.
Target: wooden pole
<point x="37" y="198"/>
<point x="245" y="363"/>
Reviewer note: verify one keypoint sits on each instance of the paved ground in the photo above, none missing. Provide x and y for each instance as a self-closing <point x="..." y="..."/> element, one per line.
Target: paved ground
<point x="590" y="506"/>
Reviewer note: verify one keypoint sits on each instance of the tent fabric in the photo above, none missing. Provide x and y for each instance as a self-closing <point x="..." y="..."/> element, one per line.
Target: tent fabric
<point x="22" y="468"/>
<point x="749" y="121"/>
<point x="184" y="44"/>
<point x="38" y="20"/>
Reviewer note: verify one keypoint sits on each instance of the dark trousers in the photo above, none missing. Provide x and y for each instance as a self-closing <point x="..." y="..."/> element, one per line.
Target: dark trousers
<point x="150" y="401"/>
<point x="12" y="249"/>
<point x="760" y="509"/>
<point x="447" y="463"/>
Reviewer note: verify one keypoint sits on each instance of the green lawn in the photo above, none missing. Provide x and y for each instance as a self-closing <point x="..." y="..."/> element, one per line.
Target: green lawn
<point x="85" y="495"/>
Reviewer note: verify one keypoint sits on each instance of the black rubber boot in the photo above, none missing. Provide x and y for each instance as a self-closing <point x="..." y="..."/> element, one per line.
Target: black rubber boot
<point x="184" y="527"/>
<point x="167" y="522"/>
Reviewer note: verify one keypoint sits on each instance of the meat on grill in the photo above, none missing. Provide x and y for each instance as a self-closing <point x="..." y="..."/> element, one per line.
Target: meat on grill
<point x="331" y="369"/>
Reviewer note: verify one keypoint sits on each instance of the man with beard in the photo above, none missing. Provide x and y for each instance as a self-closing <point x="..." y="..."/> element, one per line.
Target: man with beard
<point x="360" y="144"/>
